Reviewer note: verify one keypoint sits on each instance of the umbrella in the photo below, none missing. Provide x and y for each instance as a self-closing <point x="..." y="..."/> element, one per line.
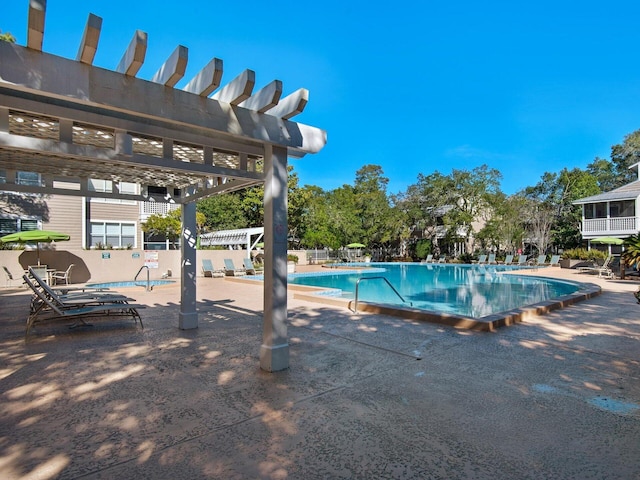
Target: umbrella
<point x="608" y="240"/>
<point x="355" y="245"/>
<point x="35" y="236"/>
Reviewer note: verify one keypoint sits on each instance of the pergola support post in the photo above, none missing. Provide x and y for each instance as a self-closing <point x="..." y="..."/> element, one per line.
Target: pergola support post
<point x="188" y="318"/>
<point x="274" y="352"/>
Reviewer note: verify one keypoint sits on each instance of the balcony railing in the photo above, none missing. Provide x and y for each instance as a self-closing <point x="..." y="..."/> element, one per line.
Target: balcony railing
<point x="627" y="225"/>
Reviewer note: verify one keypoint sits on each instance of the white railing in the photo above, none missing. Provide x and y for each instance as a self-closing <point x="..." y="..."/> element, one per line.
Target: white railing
<point x="609" y="225"/>
<point x="158" y="208"/>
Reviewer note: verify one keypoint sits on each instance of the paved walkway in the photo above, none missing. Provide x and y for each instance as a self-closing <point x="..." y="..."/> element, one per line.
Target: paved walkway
<point x="366" y="397"/>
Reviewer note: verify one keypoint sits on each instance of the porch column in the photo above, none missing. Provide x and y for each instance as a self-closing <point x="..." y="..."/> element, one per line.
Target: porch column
<point x="188" y="318"/>
<point x="274" y="352"/>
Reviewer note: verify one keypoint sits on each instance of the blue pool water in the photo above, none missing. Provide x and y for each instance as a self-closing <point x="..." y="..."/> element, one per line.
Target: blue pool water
<point x="130" y="284"/>
<point x="471" y="290"/>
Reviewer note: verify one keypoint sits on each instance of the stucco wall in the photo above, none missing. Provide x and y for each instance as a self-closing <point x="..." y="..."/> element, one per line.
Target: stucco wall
<point x="114" y="265"/>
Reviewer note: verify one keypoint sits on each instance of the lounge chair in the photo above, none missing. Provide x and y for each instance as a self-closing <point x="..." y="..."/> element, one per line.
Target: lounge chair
<point x="62" y="276"/>
<point x="482" y="259"/>
<point x="492" y="259"/>
<point x="508" y="260"/>
<point x="209" y="271"/>
<point x="429" y="259"/>
<point x="52" y="307"/>
<point x="9" y="278"/>
<point x="522" y="260"/>
<point x="230" y="270"/>
<point x="73" y="294"/>
<point x="442" y="259"/>
<point x="539" y="261"/>
<point x="555" y="260"/>
<point x="248" y="266"/>
<point x="603" y="270"/>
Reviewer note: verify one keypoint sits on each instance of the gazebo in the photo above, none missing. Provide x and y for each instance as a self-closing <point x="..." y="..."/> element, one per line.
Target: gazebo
<point x="247" y="237"/>
<point x="70" y="121"/>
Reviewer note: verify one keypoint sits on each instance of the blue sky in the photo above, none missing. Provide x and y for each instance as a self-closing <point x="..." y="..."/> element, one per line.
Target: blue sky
<point x="412" y="86"/>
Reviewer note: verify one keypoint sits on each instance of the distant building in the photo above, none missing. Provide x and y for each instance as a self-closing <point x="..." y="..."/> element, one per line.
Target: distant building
<point x="91" y="222"/>
<point x="612" y="214"/>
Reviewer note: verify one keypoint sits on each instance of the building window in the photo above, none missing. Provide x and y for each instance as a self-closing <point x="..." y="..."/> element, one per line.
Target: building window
<point x="106" y="186"/>
<point x="28" y="178"/>
<point x="112" y="234"/>
<point x="12" y="225"/>
<point x="625" y="208"/>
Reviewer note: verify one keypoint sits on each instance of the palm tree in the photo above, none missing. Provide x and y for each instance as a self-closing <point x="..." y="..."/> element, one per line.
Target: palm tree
<point x="631" y="254"/>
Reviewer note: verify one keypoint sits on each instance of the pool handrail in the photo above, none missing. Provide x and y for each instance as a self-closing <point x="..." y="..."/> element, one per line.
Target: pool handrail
<point x="149" y="287"/>
<point x="355" y="302"/>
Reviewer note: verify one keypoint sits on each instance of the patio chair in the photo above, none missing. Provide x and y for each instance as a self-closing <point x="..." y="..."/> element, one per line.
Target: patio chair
<point x="49" y="305"/>
<point x="230" y="269"/>
<point x="9" y="278"/>
<point x="522" y="260"/>
<point x="603" y="270"/>
<point x="539" y="261"/>
<point x="248" y="267"/>
<point x="62" y="276"/>
<point x="555" y="260"/>
<point x="429" y="259"/>
<point x="492" y="259"/>
<point x="482" y="259"/>
<point x="508" y="260"/>
<point x="209" y="271"/>
<point x="442" y="259"/>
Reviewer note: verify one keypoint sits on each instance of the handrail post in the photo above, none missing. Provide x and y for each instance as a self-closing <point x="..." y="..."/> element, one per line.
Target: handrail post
<point x="355" y="302"/>
<point x="148" y="279"/>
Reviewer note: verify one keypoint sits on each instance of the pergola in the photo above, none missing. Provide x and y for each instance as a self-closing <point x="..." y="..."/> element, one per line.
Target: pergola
<point x="241" y="236"/>
<point x="70" y="121"/>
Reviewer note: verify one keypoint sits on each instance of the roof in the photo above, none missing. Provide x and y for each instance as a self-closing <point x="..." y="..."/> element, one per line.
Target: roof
<point x="631" y="191"/>
<point x="231" y="237"/>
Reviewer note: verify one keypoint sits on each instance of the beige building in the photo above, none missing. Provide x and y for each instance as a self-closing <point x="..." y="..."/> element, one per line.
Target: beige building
<point x="92" y="223"/>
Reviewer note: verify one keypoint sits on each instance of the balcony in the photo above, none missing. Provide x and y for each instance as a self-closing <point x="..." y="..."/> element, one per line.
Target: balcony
<point x="155" y="208"/>
<point x="614" y="226"/>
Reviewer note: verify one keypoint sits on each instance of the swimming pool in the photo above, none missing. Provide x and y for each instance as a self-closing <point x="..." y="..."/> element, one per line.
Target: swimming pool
<point x="473" y="291"/>
<point x="126" y="284"/>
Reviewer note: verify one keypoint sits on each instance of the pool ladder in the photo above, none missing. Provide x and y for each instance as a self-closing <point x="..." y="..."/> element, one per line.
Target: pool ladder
<point x="355" y="302"/>
<point x="149" y="287"/>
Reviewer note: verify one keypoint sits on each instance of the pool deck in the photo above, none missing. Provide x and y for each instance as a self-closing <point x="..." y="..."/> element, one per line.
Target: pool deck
<point x="367" y="396"/>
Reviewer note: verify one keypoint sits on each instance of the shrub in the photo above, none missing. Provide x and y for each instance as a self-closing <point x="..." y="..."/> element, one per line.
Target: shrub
<point x="584" y="254"/>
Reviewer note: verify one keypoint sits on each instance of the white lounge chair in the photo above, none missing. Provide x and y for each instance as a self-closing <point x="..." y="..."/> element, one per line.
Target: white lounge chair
<point x="508" y="260"/>
<point x="209" y="271"/>
<point x="555" y="260"/>
<point x="429" y="259"/>
<point x="230" y="269"/>
<point x="248" y="266"/>
<point x="603" y="270"/>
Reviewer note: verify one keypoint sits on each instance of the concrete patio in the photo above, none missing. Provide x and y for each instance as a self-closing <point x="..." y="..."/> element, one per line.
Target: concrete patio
<point x="367" y="396"/>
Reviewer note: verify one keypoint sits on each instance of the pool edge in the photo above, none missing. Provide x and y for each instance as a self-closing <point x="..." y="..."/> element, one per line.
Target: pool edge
<point x="486" y="324"/>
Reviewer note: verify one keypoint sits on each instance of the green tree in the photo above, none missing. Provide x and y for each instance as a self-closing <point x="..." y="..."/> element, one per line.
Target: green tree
<point x="169" y="225"/>
<point x="473" y="195"/>
<point x="222" y="212"/>
<point x="7" y="37"/>
<point x="623" y="156"/>
<point x="318" y="232"/>
<point x="557" y="191"/>
<point x="372" y="206"/>
<point x="631" y="253"/>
